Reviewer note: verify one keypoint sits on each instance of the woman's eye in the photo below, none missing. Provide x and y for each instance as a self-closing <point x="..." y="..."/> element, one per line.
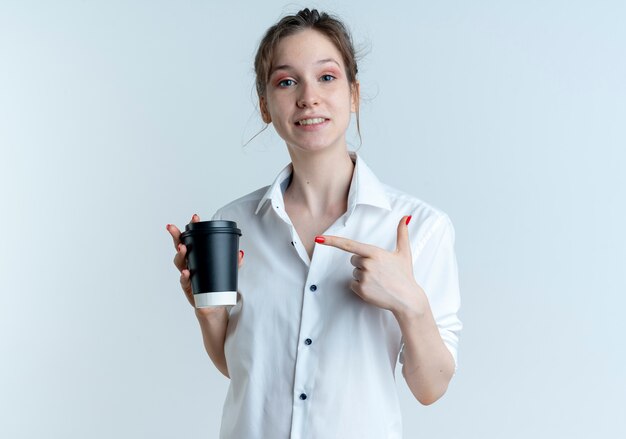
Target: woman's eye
<point x="327" y="77"/>
<point x="286" y="83"/>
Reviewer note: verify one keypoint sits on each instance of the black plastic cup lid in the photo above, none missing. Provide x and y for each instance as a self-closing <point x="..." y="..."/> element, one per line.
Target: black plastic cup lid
<point x="216" y="226"/>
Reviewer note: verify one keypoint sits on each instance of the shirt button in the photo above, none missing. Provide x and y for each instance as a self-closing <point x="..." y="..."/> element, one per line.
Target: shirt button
<point x="303" y="396"/>
<point x="308" y="341"/>
<point x="313" y="287"/>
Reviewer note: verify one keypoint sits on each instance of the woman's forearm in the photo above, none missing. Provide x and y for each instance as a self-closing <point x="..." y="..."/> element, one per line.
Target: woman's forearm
<point x="428" y="364"/>
<point x="213" y="325"/>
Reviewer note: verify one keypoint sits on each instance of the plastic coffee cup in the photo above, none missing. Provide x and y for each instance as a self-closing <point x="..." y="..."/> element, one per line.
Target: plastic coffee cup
<point x="213" y="261"/>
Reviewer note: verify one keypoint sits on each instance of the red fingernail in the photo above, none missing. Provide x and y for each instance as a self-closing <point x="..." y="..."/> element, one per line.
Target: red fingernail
<point x="241" y="251"/>
<point x="167" y="227"/>
<point x="408" y="219"/>
<point x="319" y="239"/>
<point x="178" y="247"/>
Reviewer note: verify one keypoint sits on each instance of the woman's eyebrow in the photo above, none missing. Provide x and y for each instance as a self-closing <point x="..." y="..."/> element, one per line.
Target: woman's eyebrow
<point x="288" y="67"/>
<point x="327" y="60"/>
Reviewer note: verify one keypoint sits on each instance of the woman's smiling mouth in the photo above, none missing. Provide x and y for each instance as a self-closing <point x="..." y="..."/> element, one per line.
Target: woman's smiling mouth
<point x="311" y="121"/>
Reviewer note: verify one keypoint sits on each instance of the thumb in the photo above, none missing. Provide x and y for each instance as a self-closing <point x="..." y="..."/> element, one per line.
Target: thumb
<point x="403" y="244"/>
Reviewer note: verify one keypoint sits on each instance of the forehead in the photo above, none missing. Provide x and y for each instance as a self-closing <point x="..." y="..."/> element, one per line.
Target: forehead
<point x="305" y="48"/>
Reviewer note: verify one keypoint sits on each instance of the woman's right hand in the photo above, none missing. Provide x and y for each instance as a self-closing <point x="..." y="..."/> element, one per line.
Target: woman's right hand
<point x="180" y="262"/>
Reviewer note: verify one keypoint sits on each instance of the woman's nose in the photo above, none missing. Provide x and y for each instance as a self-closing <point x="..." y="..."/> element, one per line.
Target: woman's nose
<point x="308" y="96"/>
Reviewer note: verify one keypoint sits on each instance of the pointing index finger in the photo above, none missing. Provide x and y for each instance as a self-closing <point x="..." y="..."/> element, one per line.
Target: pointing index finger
<point x="348" y="245"/>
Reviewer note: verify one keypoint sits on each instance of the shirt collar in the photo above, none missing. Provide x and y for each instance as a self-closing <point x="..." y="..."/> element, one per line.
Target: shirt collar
<point x="365" y="187"/>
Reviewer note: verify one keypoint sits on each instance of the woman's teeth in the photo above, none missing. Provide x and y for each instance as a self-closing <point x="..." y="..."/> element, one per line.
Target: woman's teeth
<point x="311" y="121"/>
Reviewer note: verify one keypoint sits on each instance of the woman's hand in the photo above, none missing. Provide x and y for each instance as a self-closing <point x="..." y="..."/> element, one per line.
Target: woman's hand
<point x="380" y="277"/>
<point x="385" y="279"/>
<point x="180" y="262"/>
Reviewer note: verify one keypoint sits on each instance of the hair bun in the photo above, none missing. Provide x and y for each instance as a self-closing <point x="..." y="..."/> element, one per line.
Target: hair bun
<point x="311" y="16"/>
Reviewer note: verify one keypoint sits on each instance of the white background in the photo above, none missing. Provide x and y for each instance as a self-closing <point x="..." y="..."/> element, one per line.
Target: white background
<point x="118" y="117"/>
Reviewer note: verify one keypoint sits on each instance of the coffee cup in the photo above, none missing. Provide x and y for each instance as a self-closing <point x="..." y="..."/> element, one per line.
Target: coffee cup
<point x="213" y="261"/>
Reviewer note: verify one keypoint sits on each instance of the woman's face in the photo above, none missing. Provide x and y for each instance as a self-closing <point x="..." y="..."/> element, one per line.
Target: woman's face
<point x="308" y="97"/>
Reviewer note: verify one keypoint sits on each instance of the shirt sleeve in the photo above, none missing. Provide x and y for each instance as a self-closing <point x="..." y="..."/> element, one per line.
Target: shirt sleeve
<point x="435" y="269"/>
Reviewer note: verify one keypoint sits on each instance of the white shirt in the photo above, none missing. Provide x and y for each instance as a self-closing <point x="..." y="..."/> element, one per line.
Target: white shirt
<point x="307" y="357"/>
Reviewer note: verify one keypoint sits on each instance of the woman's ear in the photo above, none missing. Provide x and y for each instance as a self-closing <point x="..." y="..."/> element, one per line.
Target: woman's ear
<point x="265" y="115"/>
<point x="355" y="97"/>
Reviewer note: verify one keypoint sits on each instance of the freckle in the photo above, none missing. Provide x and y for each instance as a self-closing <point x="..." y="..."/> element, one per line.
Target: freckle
<point x="307" y="182"/>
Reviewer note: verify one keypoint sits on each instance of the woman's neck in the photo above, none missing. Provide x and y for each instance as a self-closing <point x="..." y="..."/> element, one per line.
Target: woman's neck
<point x="320" y="182"/>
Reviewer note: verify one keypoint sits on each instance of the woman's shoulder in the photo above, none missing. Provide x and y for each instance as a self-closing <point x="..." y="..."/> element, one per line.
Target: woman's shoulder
<point x="427" y="219"/>
<point x="245" y="204"/>
<point x="402" y="201"/>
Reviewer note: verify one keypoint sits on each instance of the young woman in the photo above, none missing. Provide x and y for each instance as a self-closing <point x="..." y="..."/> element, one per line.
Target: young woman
<point x="344" y="275"/>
